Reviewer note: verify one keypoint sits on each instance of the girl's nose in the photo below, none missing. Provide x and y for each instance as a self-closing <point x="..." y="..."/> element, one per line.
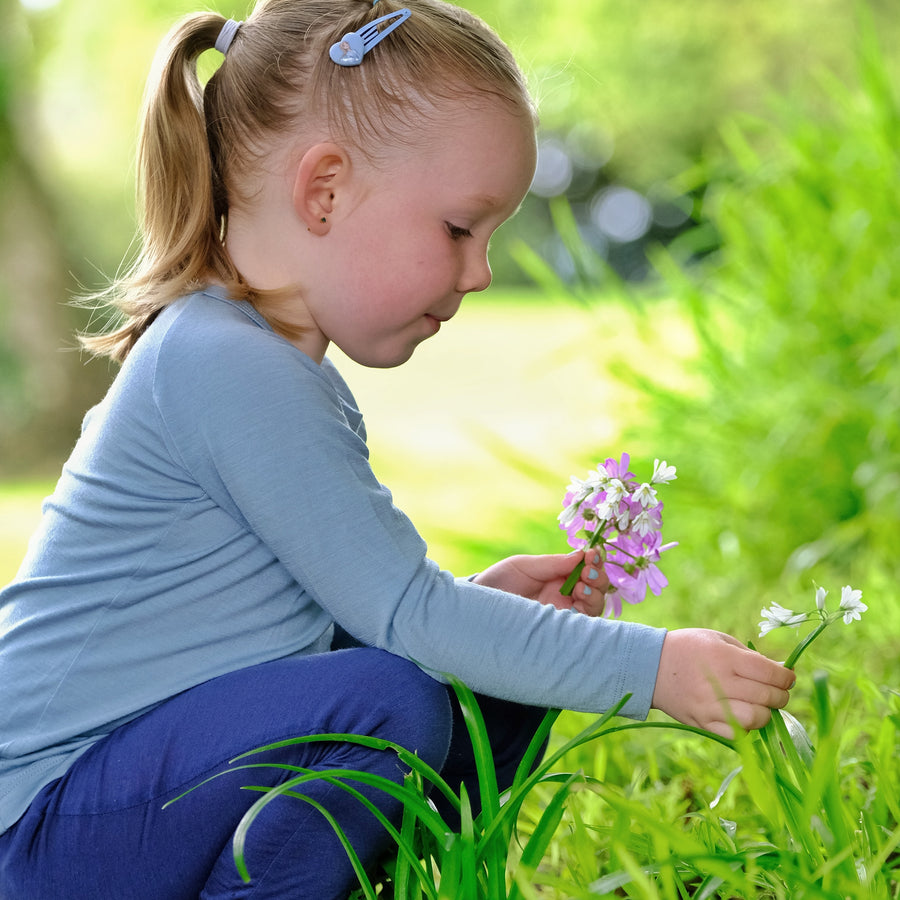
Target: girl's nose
<point x="476" y="275"/>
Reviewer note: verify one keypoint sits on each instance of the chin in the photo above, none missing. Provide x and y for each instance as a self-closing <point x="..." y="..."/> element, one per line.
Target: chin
<point x="381" y="362"/>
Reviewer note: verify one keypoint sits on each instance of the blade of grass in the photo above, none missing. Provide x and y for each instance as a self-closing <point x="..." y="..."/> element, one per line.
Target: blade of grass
<point x="489" y="853"/>
<point x="358" y="868"/>
<point x="638" y="873"/>
<point x="484" y="756"/>
<point x="786" y="791"/>
<point x="798" y="769"/>
<point x="451" y="869"/>
<point x="534" y="747"/>
<point x="334" y="777"/>
<point x="404" y="888"/>
<point x="878" y="861"/>
<point x="515" y="796"/>
<point x="542" y="835"/>
<point x="466" y="845"/>
<point x="406" y="756"/>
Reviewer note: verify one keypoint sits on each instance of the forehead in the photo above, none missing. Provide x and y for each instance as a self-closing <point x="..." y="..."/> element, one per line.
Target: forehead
<point x="486" y="145"/>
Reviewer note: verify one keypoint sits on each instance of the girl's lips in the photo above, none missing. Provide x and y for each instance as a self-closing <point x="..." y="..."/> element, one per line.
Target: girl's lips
<point x="435" y="321"/>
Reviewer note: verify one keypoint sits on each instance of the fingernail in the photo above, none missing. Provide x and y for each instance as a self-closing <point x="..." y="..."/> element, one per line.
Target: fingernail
<point x="597" y="559"/>
<point x="587" y="591"/>
<point x="593" y="574"/>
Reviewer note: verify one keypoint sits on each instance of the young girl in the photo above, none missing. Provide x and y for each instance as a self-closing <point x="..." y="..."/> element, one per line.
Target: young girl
<point x="217" y="534"/>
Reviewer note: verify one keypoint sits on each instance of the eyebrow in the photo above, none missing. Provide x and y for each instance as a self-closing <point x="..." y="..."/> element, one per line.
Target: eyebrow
<point x="488" y="200"/>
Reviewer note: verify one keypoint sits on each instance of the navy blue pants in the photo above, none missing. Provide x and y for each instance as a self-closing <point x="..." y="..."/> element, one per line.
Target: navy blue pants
<point x="100" y="831"/>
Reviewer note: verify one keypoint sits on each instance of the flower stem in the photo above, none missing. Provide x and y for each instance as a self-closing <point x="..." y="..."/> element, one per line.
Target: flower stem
<point x="572" y="580"/>
<point x="791" y="661"/>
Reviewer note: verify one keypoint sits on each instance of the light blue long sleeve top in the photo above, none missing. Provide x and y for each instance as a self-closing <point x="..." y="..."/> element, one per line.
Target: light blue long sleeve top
<point x="219" y="511"/>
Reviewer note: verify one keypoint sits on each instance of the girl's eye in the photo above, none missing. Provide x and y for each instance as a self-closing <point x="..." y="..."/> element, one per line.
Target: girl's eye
<point x="456" y="232"/>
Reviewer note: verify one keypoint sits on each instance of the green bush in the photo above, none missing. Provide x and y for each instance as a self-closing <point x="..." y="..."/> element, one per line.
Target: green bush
<point x="788" y="443"/>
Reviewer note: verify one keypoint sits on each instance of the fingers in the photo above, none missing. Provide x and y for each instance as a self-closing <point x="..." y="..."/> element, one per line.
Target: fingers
<point x="590" y="592"/>
<point x="747" y="702"/>
<point x="760" y="668"/>
<point x="748" y="717"/>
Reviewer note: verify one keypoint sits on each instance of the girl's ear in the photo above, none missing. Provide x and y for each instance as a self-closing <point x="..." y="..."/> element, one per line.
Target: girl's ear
<point x="321" y="173"/>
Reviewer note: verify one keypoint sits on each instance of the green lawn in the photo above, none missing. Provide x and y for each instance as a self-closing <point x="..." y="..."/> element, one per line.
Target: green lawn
<point x="20" y="510"/>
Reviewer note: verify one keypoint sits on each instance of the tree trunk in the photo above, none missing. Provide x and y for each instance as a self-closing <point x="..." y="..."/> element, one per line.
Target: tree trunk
<point x="44" y="385"/>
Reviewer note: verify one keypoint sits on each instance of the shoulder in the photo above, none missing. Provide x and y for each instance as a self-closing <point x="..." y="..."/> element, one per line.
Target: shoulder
<point x="208" y="340"/>
<point x="203" y="324"/>
<point x="215" y="364"/>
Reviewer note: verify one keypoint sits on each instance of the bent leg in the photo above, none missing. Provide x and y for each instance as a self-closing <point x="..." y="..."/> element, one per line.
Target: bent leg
<point x="101" y="832"/>
<point x="510" y="728"/>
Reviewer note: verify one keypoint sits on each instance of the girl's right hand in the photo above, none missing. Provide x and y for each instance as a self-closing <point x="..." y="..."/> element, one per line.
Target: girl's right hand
<point x="710" y="680"/>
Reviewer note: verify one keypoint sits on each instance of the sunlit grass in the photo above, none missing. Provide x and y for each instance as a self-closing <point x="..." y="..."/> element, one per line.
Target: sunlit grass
<point x="20" y="510"/>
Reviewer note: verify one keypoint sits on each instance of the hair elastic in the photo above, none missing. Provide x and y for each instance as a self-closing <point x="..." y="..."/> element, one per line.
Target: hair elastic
<point x="226" y="36"/>
<point x="352" y="47"/>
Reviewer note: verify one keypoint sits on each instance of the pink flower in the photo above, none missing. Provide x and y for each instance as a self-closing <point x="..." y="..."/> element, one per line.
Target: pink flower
<point x="618" y="469"/>
<point x="612" y="510"/>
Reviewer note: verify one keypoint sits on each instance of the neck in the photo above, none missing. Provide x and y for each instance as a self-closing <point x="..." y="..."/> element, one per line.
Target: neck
<point x="257" y="251"/>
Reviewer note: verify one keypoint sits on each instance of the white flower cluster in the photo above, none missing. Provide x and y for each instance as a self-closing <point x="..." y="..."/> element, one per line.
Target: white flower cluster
<point x="850" y="608"/>
<point x="610" y="494"/>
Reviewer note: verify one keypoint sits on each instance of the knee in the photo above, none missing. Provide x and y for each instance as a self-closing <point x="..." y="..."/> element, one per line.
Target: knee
<point x="414" y="709"/>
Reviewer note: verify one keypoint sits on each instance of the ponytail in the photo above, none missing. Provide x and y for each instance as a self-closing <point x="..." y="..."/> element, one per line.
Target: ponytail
<point x="182" y="201"/>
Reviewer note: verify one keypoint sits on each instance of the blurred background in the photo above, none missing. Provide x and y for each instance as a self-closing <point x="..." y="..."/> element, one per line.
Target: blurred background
<point x="706" y="270"/>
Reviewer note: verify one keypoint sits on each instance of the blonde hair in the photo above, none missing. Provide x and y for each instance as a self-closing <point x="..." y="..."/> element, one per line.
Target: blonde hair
<point x="196" y="142"/>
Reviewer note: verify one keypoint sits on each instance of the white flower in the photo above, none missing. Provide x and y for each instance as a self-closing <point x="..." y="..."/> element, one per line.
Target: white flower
<point x="567" y="516"/>
<point x="821" y="593"/>
<point x="580" y="491"/>
<point x="662" y="473"/>
<point x="851" y="604"/>
<point x="615" y="491"/>
<point x="645" y="522"/>
<point x="645" y="495"/>
<point x="776" y="616"/>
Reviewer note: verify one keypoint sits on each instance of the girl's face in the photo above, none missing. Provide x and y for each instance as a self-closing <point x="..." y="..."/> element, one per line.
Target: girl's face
<point x="412" y="240"/>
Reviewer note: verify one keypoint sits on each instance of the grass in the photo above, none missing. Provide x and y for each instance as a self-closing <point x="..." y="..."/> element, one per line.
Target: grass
<point x="20" y="511"/>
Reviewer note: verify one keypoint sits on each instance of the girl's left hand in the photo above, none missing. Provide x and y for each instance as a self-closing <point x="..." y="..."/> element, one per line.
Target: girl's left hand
<point x="540" y="578"/>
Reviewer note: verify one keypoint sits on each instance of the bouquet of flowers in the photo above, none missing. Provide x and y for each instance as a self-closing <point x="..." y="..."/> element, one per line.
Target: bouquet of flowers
<point x="621" y="517"/>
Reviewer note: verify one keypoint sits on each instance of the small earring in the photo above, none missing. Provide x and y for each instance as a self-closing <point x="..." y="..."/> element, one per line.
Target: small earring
<point x="323" y="220"/>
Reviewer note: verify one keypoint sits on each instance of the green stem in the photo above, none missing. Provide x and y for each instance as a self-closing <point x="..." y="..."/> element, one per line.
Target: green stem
<point x="572" y="580"/>
<point x="791" y="661"/>
<point x="596" y="538"/>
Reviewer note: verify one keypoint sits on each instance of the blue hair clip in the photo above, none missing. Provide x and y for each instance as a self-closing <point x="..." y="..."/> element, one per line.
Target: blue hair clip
<point x="352" y="47"/>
